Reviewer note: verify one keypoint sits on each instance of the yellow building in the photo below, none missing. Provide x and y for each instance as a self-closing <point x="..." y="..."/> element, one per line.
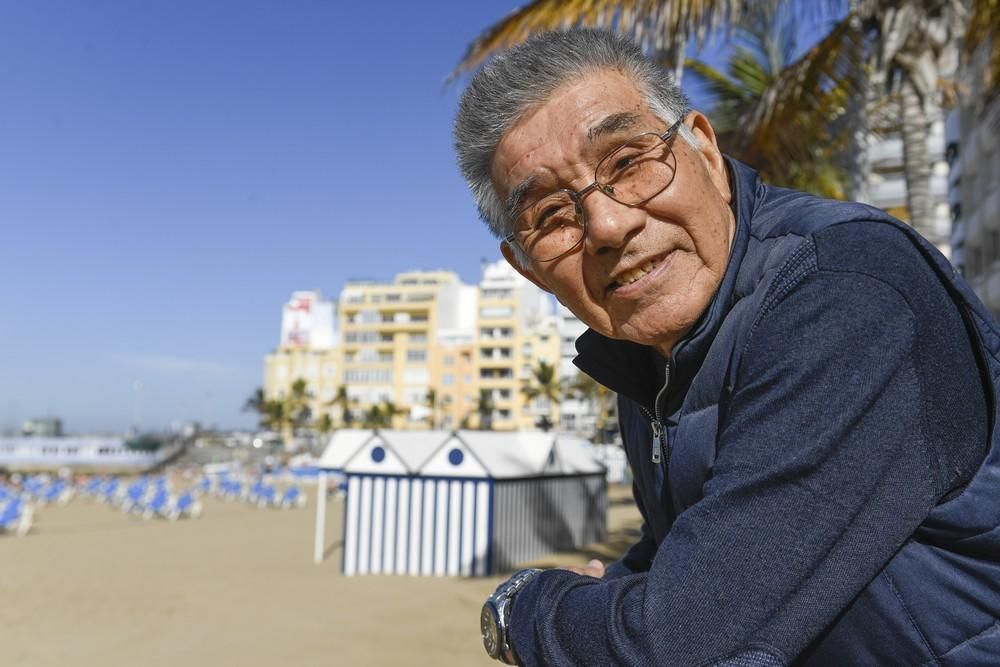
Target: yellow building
<point x="425" y="345"/>
<point x="404" y="343"/>
<point x="515" y="330"/>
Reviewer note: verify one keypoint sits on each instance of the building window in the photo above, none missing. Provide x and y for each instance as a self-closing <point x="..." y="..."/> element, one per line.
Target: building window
<point x="447" y="379"/>
<point x="368" y="375"/>
<point x="496" y="332"/>
<point x="417" y="375"/>
<point x="414" y="356"/>
<point x="496" y="293"/>
<point x="495" y="373"/>
<point x="496" y="312"/>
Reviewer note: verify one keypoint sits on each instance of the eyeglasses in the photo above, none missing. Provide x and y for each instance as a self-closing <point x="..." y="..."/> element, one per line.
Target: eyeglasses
<point x="631" y="174"/>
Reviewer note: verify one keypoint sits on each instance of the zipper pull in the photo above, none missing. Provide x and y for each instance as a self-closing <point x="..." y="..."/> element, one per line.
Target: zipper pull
<point x="657" y="440"/>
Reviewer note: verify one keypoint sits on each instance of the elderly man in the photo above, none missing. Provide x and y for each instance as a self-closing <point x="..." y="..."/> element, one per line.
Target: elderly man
<point x="806" y="389"/>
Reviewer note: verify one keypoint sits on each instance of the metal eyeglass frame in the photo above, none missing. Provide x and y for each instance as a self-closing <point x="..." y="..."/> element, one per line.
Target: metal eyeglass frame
<point x="578" y="195"/>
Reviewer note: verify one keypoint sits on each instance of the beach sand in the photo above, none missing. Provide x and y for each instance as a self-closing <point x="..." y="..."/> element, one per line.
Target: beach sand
<point x="93" y="586"/>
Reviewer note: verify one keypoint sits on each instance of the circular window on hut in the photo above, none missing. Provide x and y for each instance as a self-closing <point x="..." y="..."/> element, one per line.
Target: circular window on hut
<point x="455" y="457"/>
<point x="378" y="454"/>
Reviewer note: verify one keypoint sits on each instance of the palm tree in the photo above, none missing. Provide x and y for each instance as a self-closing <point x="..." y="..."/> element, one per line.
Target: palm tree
<point x="270" y="412"/>
<point x="297" y="402"/>
<point x="485" y="407"/>
<point x="373" y="417"/>
<point x="380" y="415"/>
<point x="543" y="383"/>
<point x="601" y="399"/>
<point x="273" y="418"/>
<point x="343" y="401"/>
<point x="323" y="425"/>
<point x="792" y="140"/>
<point x="432" y="401"/>
<point x="256" y="403"/>
<point x="898" y="49"/>
<point x="661" y="26"/>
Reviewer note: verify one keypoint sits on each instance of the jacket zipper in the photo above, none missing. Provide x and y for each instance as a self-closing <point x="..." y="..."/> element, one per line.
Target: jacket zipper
<point x="661" y="449"/>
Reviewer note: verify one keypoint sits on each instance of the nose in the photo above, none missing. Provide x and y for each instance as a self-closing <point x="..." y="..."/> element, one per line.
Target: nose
<point x="610" y="224"/>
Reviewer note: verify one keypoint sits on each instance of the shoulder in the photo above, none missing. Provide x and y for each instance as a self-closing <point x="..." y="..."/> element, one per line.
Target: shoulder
<point x="887" y="253"/>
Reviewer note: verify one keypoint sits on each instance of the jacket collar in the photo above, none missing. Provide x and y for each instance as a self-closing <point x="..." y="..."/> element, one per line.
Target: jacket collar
<point x="636" y="371"/>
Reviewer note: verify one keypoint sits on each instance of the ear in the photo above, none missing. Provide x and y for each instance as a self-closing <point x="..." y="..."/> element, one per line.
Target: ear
<point x="708" y="149"/>
<point x="508" y="254"/>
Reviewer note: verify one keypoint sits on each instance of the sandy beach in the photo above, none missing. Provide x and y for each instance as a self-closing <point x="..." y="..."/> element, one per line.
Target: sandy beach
<point x="93" y="586"/>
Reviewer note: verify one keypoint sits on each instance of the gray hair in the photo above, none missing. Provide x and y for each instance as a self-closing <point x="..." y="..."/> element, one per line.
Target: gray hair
<point x="520" y="79"/>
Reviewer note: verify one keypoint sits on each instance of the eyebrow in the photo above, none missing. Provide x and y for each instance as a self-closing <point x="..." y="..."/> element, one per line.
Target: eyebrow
<point x="609" y="125"/>
<point x="613" y="123"/>
<point x="513" y="203"/>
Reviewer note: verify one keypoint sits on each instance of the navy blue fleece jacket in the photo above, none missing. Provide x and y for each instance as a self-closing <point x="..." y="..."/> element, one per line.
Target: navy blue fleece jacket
<point x="857" y="406"/>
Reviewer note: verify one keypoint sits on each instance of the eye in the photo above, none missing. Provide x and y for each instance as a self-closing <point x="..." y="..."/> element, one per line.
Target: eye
<point x="549" y="215"/>
<point x="623" y="162"/>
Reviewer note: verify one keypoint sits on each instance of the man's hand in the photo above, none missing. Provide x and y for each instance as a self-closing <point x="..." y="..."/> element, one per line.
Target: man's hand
<point x="594" y="568"/>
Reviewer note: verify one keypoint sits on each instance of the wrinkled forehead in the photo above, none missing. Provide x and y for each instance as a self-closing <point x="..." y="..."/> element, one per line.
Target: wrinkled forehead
<point x="575" y="125"/>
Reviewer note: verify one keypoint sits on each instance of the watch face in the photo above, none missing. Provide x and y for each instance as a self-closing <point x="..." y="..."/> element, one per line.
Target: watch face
<point x="491" y="631"/>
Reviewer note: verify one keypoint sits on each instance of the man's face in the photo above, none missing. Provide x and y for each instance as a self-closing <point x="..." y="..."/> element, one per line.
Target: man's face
<point x="644" y="273"/>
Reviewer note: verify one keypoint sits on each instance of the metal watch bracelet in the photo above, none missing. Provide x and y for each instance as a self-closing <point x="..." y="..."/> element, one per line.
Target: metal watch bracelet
<point x="496" y="613"/>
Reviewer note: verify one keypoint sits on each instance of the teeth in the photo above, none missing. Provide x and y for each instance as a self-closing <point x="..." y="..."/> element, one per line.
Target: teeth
<point x="633" y="275"/>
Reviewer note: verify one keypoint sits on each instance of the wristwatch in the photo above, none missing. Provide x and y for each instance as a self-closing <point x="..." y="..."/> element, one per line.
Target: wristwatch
<point x="494" y="621"/>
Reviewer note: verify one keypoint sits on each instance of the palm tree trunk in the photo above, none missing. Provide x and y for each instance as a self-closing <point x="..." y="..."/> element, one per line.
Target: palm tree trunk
<point x="916" y="163"/>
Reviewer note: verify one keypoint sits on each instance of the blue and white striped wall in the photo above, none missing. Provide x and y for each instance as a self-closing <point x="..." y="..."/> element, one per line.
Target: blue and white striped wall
<point x="417" y="525"/>
<point x="466" y="527"/>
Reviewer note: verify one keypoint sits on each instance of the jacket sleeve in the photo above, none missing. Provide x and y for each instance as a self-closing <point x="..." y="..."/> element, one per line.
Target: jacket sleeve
<point x="640" y="555"/>
<point x="822" y="471"/>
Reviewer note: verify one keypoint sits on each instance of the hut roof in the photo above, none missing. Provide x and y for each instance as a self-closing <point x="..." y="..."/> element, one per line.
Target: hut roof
<point x="490" y="454"/>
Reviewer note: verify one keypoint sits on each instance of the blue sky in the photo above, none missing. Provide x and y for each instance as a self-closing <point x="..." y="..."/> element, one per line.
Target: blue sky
<point x="171" y="171"/>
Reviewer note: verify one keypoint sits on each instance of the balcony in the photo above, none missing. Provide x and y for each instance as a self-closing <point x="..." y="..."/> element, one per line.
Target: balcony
<point x="891" y="191"/>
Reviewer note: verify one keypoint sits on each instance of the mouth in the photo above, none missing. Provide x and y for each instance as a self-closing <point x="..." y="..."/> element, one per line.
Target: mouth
<point x="634" y="280"/>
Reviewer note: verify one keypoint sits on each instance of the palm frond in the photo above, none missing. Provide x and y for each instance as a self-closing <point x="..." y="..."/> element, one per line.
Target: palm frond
<point x="717" y="83"/>
<point x="657" y="25"/>
<point x="809" y="95"/>
<point x="654" y="24"/>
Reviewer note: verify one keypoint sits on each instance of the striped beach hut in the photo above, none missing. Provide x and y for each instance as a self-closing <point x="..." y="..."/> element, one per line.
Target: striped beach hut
<point x="468" y="503"/>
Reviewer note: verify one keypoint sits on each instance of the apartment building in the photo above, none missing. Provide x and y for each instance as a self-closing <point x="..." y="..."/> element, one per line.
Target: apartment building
<point x="515" y="329"/>
<point x="426" y="344"/>
<point x="408" y="343"/>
